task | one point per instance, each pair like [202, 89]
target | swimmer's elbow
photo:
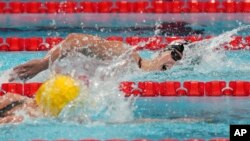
[75, 36]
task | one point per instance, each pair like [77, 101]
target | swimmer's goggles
[176, 51]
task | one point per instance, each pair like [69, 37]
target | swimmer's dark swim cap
[178, 45]
[179, 48]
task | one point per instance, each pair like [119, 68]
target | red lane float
[28, 89]
[127, 88]
[214, 88]
[169, 88]
[138, 42]
[194, 6]
[2, 6]
[52, 7]
[240, 88]
[172, 38]
[168, 140]
[194, 88]
[187, 88]
[159, 6]
[3, 47]
[148, 88]
[123, 7]
[115, 38]
[175, 6]
[227, 91]
[195, 140]
[244, 6]
[141, 140]
[32, 44]
[140, 6]
[237, 43]
[134, 40]
[104, 6]
[154, 43]
[116, 140]
[211, 6]
[193, 38]
[219, 139]
[153, 89]
[149, 43]
[229, 6]
[88, 7]
[64, 140]
[68, 7]
[50, 42]
[33, 7]
[247, 42]
[216, 139]
[15, 43]
[15, 7]
[89, 140]
[28, 44]
[126, 6]
[31, 88]
[16, 88]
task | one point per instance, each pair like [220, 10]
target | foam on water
[208, 55]
[104, 102]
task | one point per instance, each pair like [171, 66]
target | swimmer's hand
[29, 69]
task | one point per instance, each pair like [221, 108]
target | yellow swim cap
[56, 93]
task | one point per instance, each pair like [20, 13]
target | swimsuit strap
[139, 62]
[10, 106]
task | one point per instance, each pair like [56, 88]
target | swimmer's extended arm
[87, 44]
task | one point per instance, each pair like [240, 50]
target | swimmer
[11, 103]
[50, 99]
[102, 49]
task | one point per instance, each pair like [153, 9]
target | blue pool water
[154, 118]
[209, 117]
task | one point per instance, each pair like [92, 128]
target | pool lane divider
[126, 6]
[214, 88]
[149, 43]
[214, 139]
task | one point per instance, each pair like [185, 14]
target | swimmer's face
[167, 59]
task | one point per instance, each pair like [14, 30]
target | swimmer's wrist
[45, 63]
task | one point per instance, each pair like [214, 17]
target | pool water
[154, 118]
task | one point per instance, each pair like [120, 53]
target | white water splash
[104, 102]
[209, 55]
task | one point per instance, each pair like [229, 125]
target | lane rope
[192, 139]
[125, 6]
[237, 88]
[149, 43]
